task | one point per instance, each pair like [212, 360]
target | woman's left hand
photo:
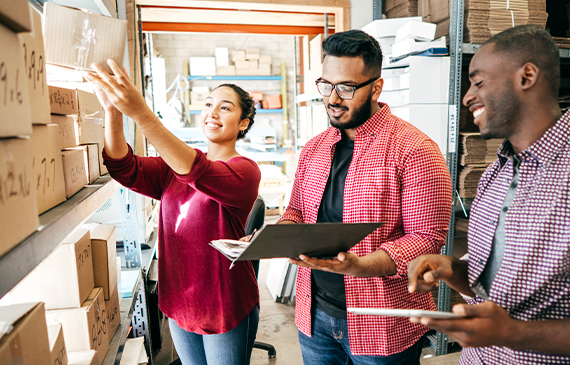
[120, 91]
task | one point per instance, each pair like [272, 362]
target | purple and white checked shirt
[533, 282]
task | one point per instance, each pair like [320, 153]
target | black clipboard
[313, 240]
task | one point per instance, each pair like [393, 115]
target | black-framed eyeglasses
[343, 91]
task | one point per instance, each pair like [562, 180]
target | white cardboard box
[387, 27]
[417, 30]
[222, 55]
[202, 66]
[427, 80]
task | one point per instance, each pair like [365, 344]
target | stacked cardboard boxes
[400, 8]
[18, 206]
[248, 62]
[475, 155]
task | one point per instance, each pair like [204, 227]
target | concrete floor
[277, 327]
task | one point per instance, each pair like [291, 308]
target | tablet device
[404, 313]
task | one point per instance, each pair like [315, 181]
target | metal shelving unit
[55, 225]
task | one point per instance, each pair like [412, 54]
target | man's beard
[360, 116]
[506, 111]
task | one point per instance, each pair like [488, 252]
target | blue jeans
[233, 347]
[329, 346]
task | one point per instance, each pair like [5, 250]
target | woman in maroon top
[213, 311]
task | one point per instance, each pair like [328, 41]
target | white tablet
[404, 313]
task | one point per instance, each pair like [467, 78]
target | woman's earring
[242, 132]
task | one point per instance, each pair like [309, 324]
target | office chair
[256, 220]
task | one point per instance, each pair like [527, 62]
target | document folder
[292, 240]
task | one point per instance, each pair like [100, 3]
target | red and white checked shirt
[397, 176]
[533, 283]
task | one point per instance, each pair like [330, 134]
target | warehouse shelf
[471, 48]
[127, 307]
[237, 78]
[258, 111]
[55, 225]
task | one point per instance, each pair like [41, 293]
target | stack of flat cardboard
[435, 11]
[400, 8]
[469, 177]
[475, 154]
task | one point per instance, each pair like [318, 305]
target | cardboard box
[76, 39]
[63, 280]
[113, 311]
[90, 357]
[273, 101]
[104, 247]
[265, 59]
[88, 130]
[252, 53]
[91, 160]
[74, 171]
[100, 148]
[48, 166]
[198, 97]
[316, 52]
[27, 343]
[254, 64]
[84, 328]
[57, 345]
[242, 65]
[264, 69]
[387, 27]
[202, 66]
[238, 56]
[15, 15]
[417, 30]
[226, 70]
[34, 61]
[74, 102]
[222, 55]
[14, 98]
[67, 134]
[18, 209]
[256, 95]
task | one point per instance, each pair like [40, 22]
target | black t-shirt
[328, 288]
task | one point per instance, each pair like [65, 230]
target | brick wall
[178, 47]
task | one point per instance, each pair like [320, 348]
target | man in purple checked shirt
[518, 270]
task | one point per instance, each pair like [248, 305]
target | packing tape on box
[512, 13]
[84, 40]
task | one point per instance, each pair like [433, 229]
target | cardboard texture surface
[100, 148]
[35, 69]
[14, 14]
[91, 160]
[104, 247]
[74, 171]
[64, 279]
[65, 101]
[90, 357]
[76, 39]
[132, 351]
[113, 311]
[57, 345]
[18, 209]
[14, 97]
[84, 328]
[88, 130]
[67, 133]
[48, 167]
[27, 343]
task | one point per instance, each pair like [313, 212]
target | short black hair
[246, 103]
[530, 43]
[355, 43]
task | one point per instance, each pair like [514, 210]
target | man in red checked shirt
[518, 270]
[369, 166]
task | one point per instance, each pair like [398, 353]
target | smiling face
[491, 97]
[221, 116]
[343, 113]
